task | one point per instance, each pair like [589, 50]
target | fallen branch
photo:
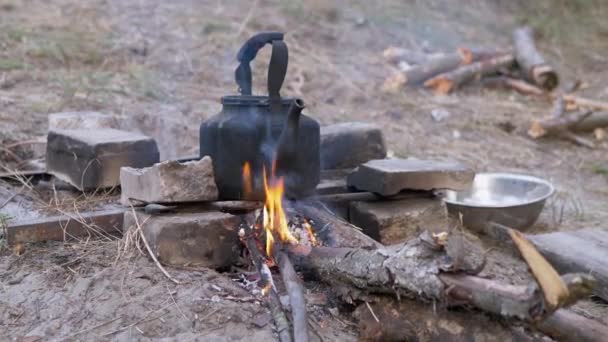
[591, 122]
[271, 297]
[448, 81]
[435, 66]
[296, 296]
[580, 102]
[520, 86]
[532, 64]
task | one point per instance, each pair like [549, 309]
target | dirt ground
[161, 67]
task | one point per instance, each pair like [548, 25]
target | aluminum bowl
[510, 199]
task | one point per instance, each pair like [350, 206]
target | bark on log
[591, 122]
[409, 320]
[565, 325]
[533, 66]
[448, 81]
[331, 228]
[296, 297]
[415, 269]
[435, 66]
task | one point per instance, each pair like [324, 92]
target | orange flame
[247, 183]
[275, 220]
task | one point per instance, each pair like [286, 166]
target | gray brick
[347, 145]
[203, 239]
[169, 182]
[390, 176]
[392, 222]
[92, 158]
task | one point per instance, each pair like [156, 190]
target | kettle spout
[288, 141]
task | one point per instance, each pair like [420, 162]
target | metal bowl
[509, 199]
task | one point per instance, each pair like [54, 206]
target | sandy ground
[161, 67]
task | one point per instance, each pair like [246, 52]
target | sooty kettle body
[268, 133]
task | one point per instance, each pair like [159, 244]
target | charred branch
[533, 66]
[271, 298]
[296, 297]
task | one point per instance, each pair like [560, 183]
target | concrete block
[169, 182]
[202, 239]
[392, 222]
[348, 145]
[390, 176]
[92, 158]
[81, 120]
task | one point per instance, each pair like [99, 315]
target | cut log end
[440, 85]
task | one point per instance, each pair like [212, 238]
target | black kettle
[265, 132]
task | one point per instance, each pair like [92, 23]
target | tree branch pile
[534, 76]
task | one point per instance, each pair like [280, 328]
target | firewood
[271, 297]
[553, 287]
[296, 296]
[446, 82]
[593, 121]
[533, 66]
[585, 103]
[341, 233]
[435, 66]
[520, 86]
[565, 325]
[414, 269]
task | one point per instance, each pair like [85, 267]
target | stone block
[348, 145]
[200, 239]
[169, 182]
[392, 222]
[92, 158]
[81, 120]
[390, 176]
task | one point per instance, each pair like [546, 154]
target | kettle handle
[276, 70]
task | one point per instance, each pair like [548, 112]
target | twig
[174, 302]
[271, 298]
[296, 296]
[369, 307]
[11, 197]
[143, 238]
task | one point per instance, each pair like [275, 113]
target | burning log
[532, 64]
[341, 233]
[448, 81]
